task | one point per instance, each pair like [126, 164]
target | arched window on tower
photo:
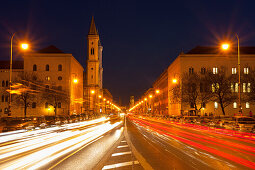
[47, 67]
[3, 83]
[34, 67]
[92, 51]
[59, 67]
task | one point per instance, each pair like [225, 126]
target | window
[215, 105]
[246, 70]
[47, 67]
[248, 87]
[191, 70]
[7, 83]
[213, 87]
[59, 67]
[232, 88]
[46, 105]
[215, 70]
[59, 87]
[6, 98]
[203, 70]
[92, 51]
[234, 105]
[236, 87]
[92, 77]
[47, 78]
[59, 78]
[33, 105]
[34, 67]
[3, 83]
[92, 68]
[247, 105]
[233, 70]
[2, 98]
[59, 105]
[244, 87]
[47, 88]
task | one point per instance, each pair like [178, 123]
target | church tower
[94, 70]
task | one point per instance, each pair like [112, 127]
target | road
[133, 143]
[170, 145]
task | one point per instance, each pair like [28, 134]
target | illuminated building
[94, 72]
[201, 59]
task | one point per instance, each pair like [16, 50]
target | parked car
[190, 119]
[243, 123]
[50, 120]
[18, 124]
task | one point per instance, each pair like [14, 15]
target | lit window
[215, 105]
[248, 87]
[234, 105]
[234, 70]
[213, 88]
[215, 70]
[232, 88]
[236, 87]
[247, 105]
[246, 70]
[47, 78]
[244, 87]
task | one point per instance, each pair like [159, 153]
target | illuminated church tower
[94, 70]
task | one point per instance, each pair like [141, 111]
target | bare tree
[221, 87]
[193, 90]
[24, 89]
[55, 97]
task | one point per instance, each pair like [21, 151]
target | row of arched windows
[5, 83]
[47, 67]
[92, 51]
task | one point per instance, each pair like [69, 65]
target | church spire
[92, 29]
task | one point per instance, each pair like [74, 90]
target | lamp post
[24, 47]
[225, 46]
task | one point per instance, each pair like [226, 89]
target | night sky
[140, 38]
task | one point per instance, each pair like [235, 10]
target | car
[245, 124]
[50, 120]
[190, 119]
[19, 124]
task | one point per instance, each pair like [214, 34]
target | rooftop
[50, 49]
[217, 50]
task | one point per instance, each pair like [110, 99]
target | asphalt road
[137, 143]
[168, 145]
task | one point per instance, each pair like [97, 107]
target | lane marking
[121, 153]
[122, 146]
[123, 141]
[120, 165]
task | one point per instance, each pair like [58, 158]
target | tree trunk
[222, 107]
[25, 110]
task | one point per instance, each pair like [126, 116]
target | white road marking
[120, 165]
[121, 153]
[122, 146]
[124, 141]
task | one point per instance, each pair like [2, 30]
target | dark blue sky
[140, 38]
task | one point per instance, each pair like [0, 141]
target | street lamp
[226, 46]
[174, 80]
[24, 46]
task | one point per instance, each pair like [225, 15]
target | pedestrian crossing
[122, 158]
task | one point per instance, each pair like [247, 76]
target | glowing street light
[145, 99]
[100, 96]
[225, 46]
[24, 46]
[150, 96]
[157, 91]
[75, 81]
[92, 91]
[174, 80]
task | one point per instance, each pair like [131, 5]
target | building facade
[54, 80]
[201, 60]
